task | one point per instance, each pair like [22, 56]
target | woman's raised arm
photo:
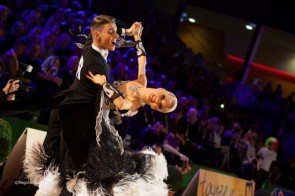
[141, 56]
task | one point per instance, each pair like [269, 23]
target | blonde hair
[46, 65]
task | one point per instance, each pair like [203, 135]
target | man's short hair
[100, 20]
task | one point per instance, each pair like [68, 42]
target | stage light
[183, 14]
[192, 20]
[250, 26]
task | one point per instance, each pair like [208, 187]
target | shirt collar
[104, 53]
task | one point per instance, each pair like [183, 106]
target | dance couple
[83, 153]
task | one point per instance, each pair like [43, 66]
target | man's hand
[131, 30]
[57, 80]
[11, 86]
[184, 158]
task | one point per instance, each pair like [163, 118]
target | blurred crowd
[211, 126]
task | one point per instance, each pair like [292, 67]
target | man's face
[34, 50]
[4, 11]
[107, 36]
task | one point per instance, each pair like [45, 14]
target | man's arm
[172, 150]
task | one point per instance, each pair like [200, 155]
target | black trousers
[71, 131]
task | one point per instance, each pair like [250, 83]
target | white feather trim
[49, 185]
[78, 187]
[150, 183]
[99, 192]
[33, 166]
[137, 186]
[159, 165]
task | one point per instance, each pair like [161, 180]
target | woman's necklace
[135, 89]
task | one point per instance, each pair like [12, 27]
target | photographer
[7, 93]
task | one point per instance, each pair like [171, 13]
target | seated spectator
[4, 11]
[228, 134]
[10, 58]
[18, 30]
[30, 58]
[215, 130]
[68, 72]
[33, 18]
[250, 170]
[192, 126]
[55, 19]
[250, 142]
[171, 145]
[48, 78]
[237, 152]
[155, 134]
[49, 82]
[48, 43]
[192, 146]
[62, 49]
[278, 92]
[35, 35]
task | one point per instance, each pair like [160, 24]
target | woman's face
[34, 50]
[54, 62]
[159, 99]
[53, 66]
[21, 28]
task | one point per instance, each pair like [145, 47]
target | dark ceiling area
[275, 14]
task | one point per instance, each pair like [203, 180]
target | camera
[24, 72]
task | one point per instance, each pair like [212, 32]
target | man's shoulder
[91, 56]
[88, 51]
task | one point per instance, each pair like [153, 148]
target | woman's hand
[130, 31]
[137, 31]
[97, 79]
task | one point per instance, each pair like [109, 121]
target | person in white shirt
[269, 155]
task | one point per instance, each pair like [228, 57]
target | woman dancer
[135, 92]
[109, 169]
